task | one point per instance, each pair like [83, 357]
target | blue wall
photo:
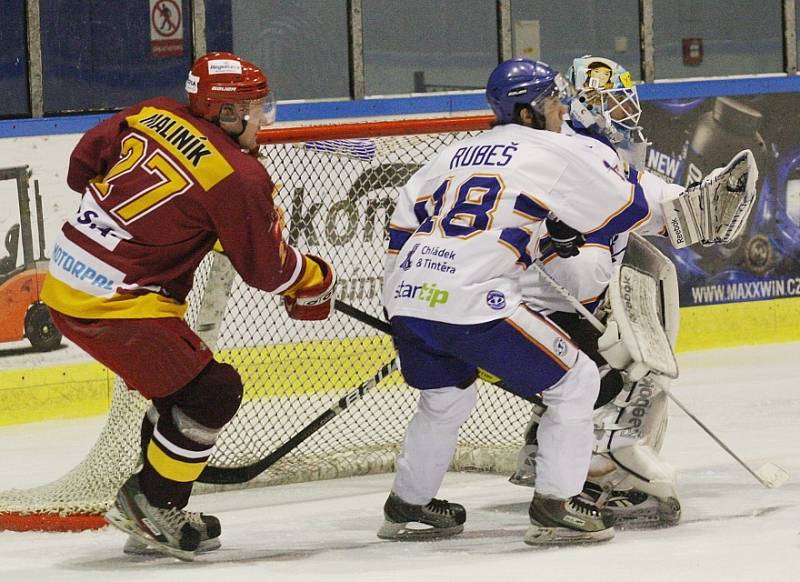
[429, 104]
[13, 60]
[87, 64]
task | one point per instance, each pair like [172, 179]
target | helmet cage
[621, 106]
[609, 95]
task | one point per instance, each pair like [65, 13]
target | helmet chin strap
[235, 135]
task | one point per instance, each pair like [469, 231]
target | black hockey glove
[566, 240]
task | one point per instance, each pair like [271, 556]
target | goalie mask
[233, 93]
[607, 101]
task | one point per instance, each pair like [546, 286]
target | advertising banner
[691, 137]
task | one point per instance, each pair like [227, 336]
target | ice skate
[567, 521]
[208, 526]
[525, 473]
[437, 519]
[634, 509]
[167, 531]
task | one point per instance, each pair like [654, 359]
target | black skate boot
[208, 526]
[407, 522]
[168, 531]
[567, 521]
[634, 509]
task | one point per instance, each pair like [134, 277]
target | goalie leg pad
[638, 485]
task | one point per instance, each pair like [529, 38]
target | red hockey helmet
[220, 78]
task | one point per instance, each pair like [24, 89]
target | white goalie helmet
[607, 101]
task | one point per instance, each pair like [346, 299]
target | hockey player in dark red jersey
[161, 184]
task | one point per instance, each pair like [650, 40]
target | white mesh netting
[337, 199]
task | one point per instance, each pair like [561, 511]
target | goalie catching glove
[715, 210]
[314, 300]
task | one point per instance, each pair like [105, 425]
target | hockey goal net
[337, 185]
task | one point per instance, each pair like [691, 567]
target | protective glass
[259, 113]
[561, 89]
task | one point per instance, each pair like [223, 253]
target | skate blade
[135, 547]
[771, 475]
[538, 535]
[115, 518]
[522, 479]
[414, 531]
[667, 513]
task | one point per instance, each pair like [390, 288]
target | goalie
[627, 476]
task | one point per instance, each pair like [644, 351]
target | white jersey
[587, 275]
[470, 221]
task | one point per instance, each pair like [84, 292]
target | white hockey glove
[715, 210]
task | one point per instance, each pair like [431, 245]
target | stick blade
[772, 476]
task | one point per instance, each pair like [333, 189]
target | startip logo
[427, 292]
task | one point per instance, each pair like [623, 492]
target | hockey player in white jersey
[627, 475]
[468, 224]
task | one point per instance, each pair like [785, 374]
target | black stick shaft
[229, 475]
[363, 317]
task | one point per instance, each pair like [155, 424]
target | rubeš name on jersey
[471, 221]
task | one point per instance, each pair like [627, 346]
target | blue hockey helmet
[522, 81]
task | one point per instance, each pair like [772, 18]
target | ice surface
[733, 529]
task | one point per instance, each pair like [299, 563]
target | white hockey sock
[430, 442]
[565, 433]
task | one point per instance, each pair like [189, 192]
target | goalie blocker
[714, 210]
[643, 323]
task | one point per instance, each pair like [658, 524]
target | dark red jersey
[160, 187]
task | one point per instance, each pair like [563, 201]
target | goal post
[337, 185]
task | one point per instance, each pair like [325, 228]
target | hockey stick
[769, 475]
[229, 475]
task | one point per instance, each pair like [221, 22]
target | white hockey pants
[565, 432]
[430, 441]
